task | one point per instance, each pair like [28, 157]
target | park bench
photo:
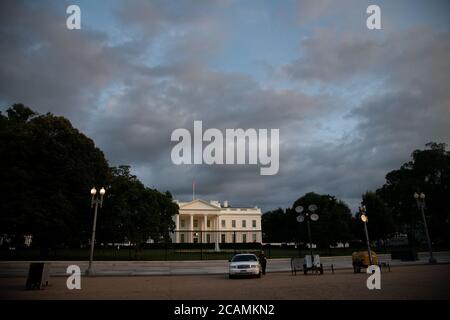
[296, 265]
[384, 265]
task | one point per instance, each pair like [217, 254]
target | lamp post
[95, 201]
[420, 200]
[311, 215]
[365, 220]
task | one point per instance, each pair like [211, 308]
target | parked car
[244, 264]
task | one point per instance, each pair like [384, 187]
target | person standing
[262, 261]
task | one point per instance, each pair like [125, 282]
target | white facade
[211, 222]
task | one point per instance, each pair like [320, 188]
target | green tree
[275, 227]
[47, 170]
[428, 171]
[381, 223]
[135, 213]
[334, 221]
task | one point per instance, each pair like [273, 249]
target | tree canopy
[332, 227]
[275, 227]
[134, 212]
[381, 222]
[47, 170]
[429, 172]
[392, 208]
[48, 167]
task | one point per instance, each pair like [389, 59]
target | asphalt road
[403, 282]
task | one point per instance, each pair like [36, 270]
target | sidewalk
[203, 267]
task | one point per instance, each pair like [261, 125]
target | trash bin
[38, 275]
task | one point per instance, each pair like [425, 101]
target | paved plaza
[208, 280]
[204, 267]
[403, 282]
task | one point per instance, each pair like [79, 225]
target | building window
[244, 223]
[223, 224]
[208, 238]
[244, 238]
[233, 223]
[254, 237]
[182, 238]
[182, 223]
[254, 223]
[195, 223]
[234, 237]
[223, 238]
[208, 223]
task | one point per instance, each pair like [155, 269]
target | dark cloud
[384, 94]
[51, 68]
[406, 109]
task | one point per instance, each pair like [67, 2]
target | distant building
[210, 222]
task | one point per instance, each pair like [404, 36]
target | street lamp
[311, 215]
[420, 200]
[365, 220]
[95, 201]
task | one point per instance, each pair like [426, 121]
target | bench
[384, 265]
[296, 265]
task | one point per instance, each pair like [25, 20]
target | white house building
[210, 222]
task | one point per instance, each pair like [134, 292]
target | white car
[244, 264]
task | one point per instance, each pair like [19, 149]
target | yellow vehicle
[360, 259]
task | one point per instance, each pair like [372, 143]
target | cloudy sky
[351, 103]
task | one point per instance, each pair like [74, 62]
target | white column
[219, 226]
[205, 227]
[177, 228]
[259, 227]
[217, 233]
[191, 225]
[214, 228]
